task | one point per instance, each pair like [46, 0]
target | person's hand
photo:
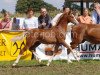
[97, 8]
[0, 30]
[44, 24]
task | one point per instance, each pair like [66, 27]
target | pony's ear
[70, 12]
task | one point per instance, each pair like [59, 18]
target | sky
[9, 5]
[56, 3]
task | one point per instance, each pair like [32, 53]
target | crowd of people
[44, 21]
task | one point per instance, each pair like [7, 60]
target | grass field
[87, 67]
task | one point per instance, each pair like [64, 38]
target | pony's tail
[20, 37]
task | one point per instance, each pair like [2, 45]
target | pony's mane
[59, 19]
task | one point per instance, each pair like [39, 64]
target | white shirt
[55, 19]
[30, 23]
[94, 17]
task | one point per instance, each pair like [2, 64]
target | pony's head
[69, 17]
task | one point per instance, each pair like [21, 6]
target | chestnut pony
[55, 35]
[85, 32]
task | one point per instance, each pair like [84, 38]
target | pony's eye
[71, 16]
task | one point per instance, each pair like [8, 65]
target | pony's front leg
[68, 59]
[76, 52]
[68, 56]
[67, 46]
[19, 56]
[17, 60]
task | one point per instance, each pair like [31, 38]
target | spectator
[15, 24]
[44, 19]
[31, 21]
[96, 13]
[44, 23]
[76, 13]
[6, 22]
[85, 18]
[55, 19]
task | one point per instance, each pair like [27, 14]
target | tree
[67, 3]
[70, 4]
[3, 11]
[23, 5]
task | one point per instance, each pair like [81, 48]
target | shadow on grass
[18, 66]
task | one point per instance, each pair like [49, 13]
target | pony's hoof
[69, 61]
[14, 65]
[78, 59]
[48, 64]
[39, 60]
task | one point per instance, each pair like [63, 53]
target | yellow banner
[10, 50]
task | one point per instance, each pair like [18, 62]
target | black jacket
[46, 19]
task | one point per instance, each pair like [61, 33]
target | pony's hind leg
[54, 54]
[33, 49]
[37, 57]
[19, 56]
[50, 60]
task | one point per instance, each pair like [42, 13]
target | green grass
[87, 67]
